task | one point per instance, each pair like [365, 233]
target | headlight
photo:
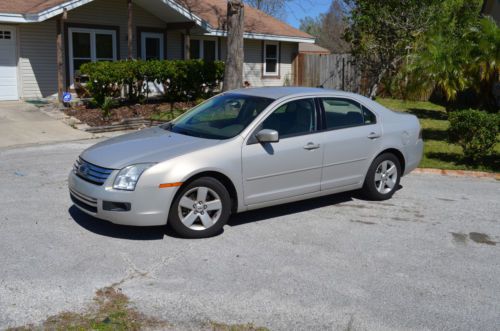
[127, 177]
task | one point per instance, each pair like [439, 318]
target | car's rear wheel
[383, 176]
[200, 209]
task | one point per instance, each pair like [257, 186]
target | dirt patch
[94, 116]
[111, 311]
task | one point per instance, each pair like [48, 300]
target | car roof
[277, 93]
[281, 92]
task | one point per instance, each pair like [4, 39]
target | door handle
[310, 146]
[373, 135]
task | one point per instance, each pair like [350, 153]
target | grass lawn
[438, 153]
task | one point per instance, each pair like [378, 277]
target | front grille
[90, 172]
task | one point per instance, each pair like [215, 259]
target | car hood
[148, 145]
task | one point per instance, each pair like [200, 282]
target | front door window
[90, 45]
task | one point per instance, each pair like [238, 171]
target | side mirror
[268, 136]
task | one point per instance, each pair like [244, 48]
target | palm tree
[440, 63]
[486, 55]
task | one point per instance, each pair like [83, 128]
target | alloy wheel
[386, 176]
[200, 208]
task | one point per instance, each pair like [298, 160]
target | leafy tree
[441, 64]
[486, 58]
[274, 8]
[329, 27]
[312, 25]
[461, 51]
[383, 32]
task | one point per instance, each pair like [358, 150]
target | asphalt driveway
[427, 259]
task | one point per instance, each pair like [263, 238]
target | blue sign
[66, 97]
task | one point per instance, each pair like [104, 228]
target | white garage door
[8, 63]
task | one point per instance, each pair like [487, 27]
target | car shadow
[108, 229]
[291, 208]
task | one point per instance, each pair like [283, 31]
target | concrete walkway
[23, 124]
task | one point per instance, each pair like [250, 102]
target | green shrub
[104, 80]
[475, 131]
[107, 105]
[182, 80]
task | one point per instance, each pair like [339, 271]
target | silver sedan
[243, 150]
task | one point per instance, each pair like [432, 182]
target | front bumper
[149, 206]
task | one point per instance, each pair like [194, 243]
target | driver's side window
[294, 118]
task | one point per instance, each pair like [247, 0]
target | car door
[287, 168]
[351, 138]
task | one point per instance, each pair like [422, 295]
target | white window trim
[93, 56]
[202, 45]
[156, 35]
[271, 73]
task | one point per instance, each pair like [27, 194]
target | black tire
[181, 229]
[370, 190]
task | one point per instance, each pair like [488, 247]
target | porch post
[60, 60]
[187, 44]
[130, 32]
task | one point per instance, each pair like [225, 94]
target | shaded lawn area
[438, 152]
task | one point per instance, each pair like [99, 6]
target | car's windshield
[222, 117]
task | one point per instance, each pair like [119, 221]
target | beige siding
[252, 70]
[37, 59]
[175, 44]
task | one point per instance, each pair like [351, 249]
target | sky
[297, 9]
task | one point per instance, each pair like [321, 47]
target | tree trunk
[59, 53]
[233, 72]
[129, 29]
[374, 87]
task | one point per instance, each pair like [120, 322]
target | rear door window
[344, 113]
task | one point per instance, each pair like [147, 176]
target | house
[44, 42]
[492, 8]
[308, 48]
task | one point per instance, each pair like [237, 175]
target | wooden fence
[335, 71]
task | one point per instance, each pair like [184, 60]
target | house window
[90, 45]
[203, 49]
[152, 45]
[271, 59]
[5, 35]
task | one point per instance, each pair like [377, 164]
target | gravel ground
[426, 259]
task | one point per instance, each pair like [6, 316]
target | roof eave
[263, 36]
[43, 15]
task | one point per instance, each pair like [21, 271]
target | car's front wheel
[200, 209]
[383, 176]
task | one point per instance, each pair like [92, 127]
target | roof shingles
[211, 11]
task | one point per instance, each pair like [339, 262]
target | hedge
[181, 79]
[475, 131]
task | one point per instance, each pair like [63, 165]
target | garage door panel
[8, 63]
